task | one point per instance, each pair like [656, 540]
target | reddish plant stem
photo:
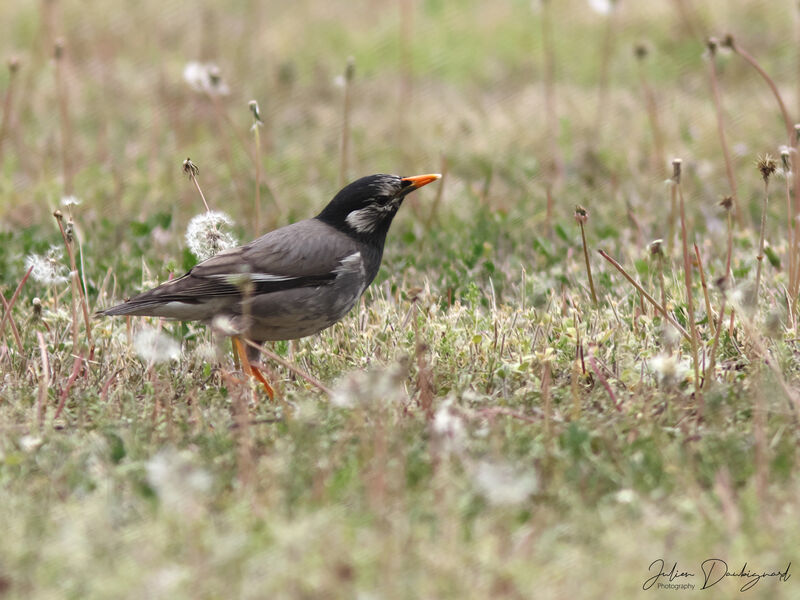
[14, 330]
[76, 369]
[593, 365]
[13, 301]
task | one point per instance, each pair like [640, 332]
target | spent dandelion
[205, 78]
[48, 268]
[208, 234]
[153, 346]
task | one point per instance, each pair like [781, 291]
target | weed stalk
[712, 46]
[13, 67]
[687, 276]
[581, 216]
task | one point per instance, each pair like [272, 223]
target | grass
[492, 431]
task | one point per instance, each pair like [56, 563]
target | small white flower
[502, 484]
[48, 268]
[603, 7]
[205, 77]
[205, 235]
[152, 346]
[70, 201]
[339, 81]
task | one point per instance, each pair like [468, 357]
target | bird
[292, 282]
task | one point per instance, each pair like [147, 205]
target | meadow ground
[500, 423]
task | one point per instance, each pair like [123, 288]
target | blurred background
[500, 92]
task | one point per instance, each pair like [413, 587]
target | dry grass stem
[712, 69]
[687, 277]
[647, 296]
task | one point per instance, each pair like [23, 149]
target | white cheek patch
[367, 219]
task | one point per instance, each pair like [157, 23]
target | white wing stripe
[251, 276]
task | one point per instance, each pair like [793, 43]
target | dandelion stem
[81, 297]
[548, 81]
[588, 265]
[437, 201]
[709, 372]
[687, 277]
[349, 72]
[761, 241]
[652, 110]
[605, 66]
[191, 169]
[13, 67]
[730, 42]
[44, 379]
[548, 404]
[712, 65]
[709, 313]
[581, 216]
[257, 157]
[63, 110]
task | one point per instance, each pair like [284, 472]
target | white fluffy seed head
[205, 77]
[48, 268]
[207, 234]
[152, 346]
[503, 484]
[602, 7]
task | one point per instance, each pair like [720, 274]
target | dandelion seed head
[70, 201]
[502, 484]
[48, 268]
[370, 388]
[448, 427]
[766, 166]
[225, 325]
[30, 443]
[669, 370]
[625, 496]
[178, 482]
[603, 7]
[207, 234]
[152, 346]
[206, 78]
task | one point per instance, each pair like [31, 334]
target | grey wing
[304, 254]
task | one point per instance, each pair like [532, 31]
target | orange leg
[248, 368]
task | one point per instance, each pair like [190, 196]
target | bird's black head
[366, 207]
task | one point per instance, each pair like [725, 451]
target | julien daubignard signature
[712, 571]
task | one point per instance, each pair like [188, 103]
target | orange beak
[419, 180]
